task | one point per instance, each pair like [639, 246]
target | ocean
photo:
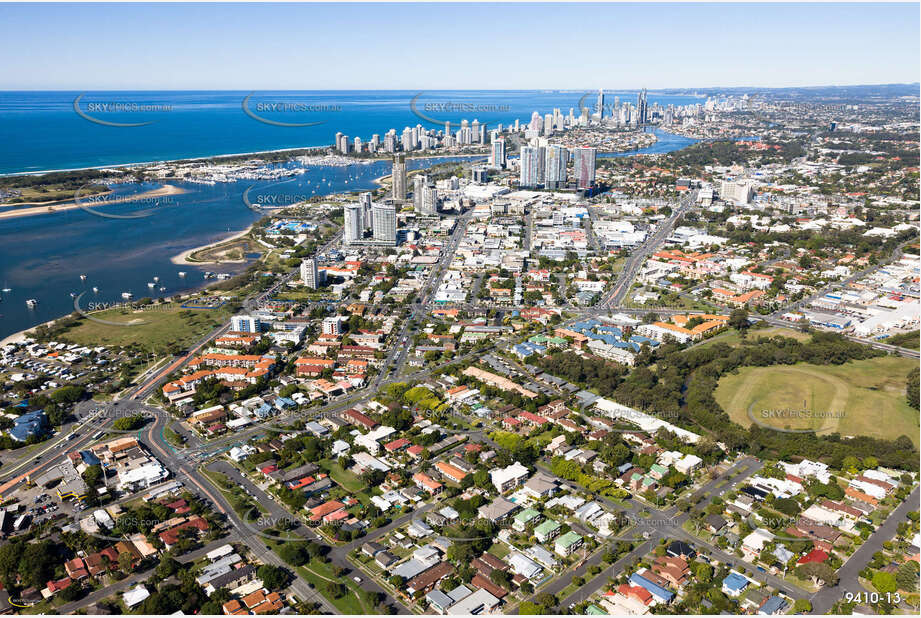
[41, 131]
[43, 256]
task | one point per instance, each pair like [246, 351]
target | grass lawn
[154, 329]
[305, 295]
[233, 251]
[500, 550]
[732, 337]
[865, 397]
[317, 573]
[345, 478]
[242, 504]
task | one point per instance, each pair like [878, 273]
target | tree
[294, 554]
[911, 389]
[818, 572]
[92, 475]
[527, 608]
[500, 578]
[273, 577]
[885, 582]
[125, 562]
[850, 463]
[168, 566]
[738, 319]
[907, 576]
[801, 606]
[547, 600]
[704, 572]
[68, 394]
[72, 592]
[129, 423]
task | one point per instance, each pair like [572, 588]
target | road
[659, 524]
[240, 531]
[635, 261]
[825, 598]
[133, 579]
[276, 513]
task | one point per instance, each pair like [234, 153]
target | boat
[151, 284]
[182, 273]
[7, 290]
[73, 295]
[82, 277]
[156, 278]
[162, 289]
[31, 302]
[95, 289]
[127, 295]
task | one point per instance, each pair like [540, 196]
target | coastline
[164, 191]
[254, 153]
[182, 258]
[158, 162]
[20, 337]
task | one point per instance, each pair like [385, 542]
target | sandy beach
[89, 202]
[21, 335]
[182, 258]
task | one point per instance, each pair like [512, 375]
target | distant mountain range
[828, 93]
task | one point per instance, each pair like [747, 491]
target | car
[357, 579]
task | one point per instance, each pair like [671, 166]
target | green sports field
[864, 397]
[154, 328]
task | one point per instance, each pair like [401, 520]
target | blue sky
[454, 46]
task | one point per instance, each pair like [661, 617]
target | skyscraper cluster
[546, 166]
[642, 108]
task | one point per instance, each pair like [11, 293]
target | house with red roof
[533, 419]
[327, 508]
[396, 445]
[171, 537]
[415, 451]
[426, 483]
[816, 555]
[635, 592]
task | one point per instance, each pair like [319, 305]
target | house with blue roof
[734, 584]
[264, 410]
[774, 605]
[283, 403]
[30, 424]
[640, 340]
[662, 595]
[89, 458]
[526, 349]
